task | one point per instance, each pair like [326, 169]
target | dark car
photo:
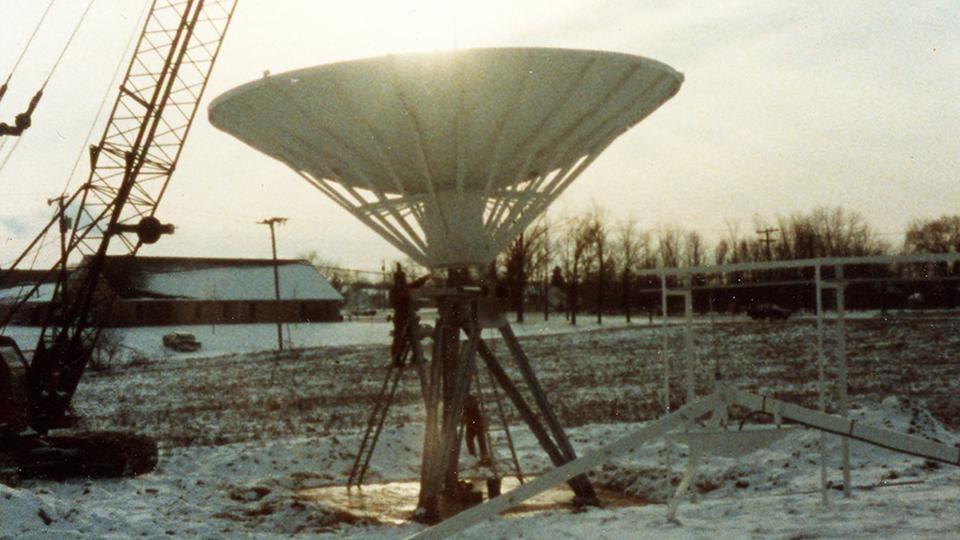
[181, 342]
[769, 312]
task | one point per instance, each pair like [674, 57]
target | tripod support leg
[506, 427]
[579, 484]
[451, 370]
[523, 363]
[428, 504]
[450, 447]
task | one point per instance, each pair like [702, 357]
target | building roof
[12, 295]
[15, 284]
[215, 279]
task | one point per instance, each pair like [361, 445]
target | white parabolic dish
[447, 155]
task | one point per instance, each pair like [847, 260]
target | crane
[130, 169]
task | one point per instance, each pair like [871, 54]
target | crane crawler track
[100, 454]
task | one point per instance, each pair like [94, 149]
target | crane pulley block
[148, 230]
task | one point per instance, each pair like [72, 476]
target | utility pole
[64, 225]
[276, 274]
[767, 240]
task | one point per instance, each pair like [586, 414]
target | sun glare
[424, 25]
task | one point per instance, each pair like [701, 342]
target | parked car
[181, 342]
[770, 312]
[362, 312]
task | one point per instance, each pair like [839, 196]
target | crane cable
[26, 47]
[3, 87]
[63, 51]
[36, 97]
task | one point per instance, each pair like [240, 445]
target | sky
[785, 106]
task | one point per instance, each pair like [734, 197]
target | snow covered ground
[248, 438]
[231, 339]
[263, 490]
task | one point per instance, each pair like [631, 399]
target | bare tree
[628, 243]
[940, 235]
[799, 238]
[328, 268]
[732, 240]
[545, 264]
[520, 261]
[786, 247]
[596, 230]
[693, 250]
[669, 245]
[721, 252]
[845, 233]
[694, 254]
[575, 245]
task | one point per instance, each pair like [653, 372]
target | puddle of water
[395, 502]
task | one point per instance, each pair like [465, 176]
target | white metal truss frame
[838, 284]
[717, 402]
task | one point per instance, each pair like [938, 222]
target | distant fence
[926, 281]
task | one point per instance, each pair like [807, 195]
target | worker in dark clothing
[403, 313]
[400, 302]
[476, 429]
[22, 120]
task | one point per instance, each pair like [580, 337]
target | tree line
[591, 263]
[595, 261]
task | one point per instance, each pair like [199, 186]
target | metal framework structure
[837, 284]
[151, 117]
[130, 170]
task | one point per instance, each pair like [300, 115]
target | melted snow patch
[274, 507]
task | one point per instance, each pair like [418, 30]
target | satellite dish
[447, 155]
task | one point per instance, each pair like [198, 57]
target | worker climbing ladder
[381, 407]
[406, 351]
